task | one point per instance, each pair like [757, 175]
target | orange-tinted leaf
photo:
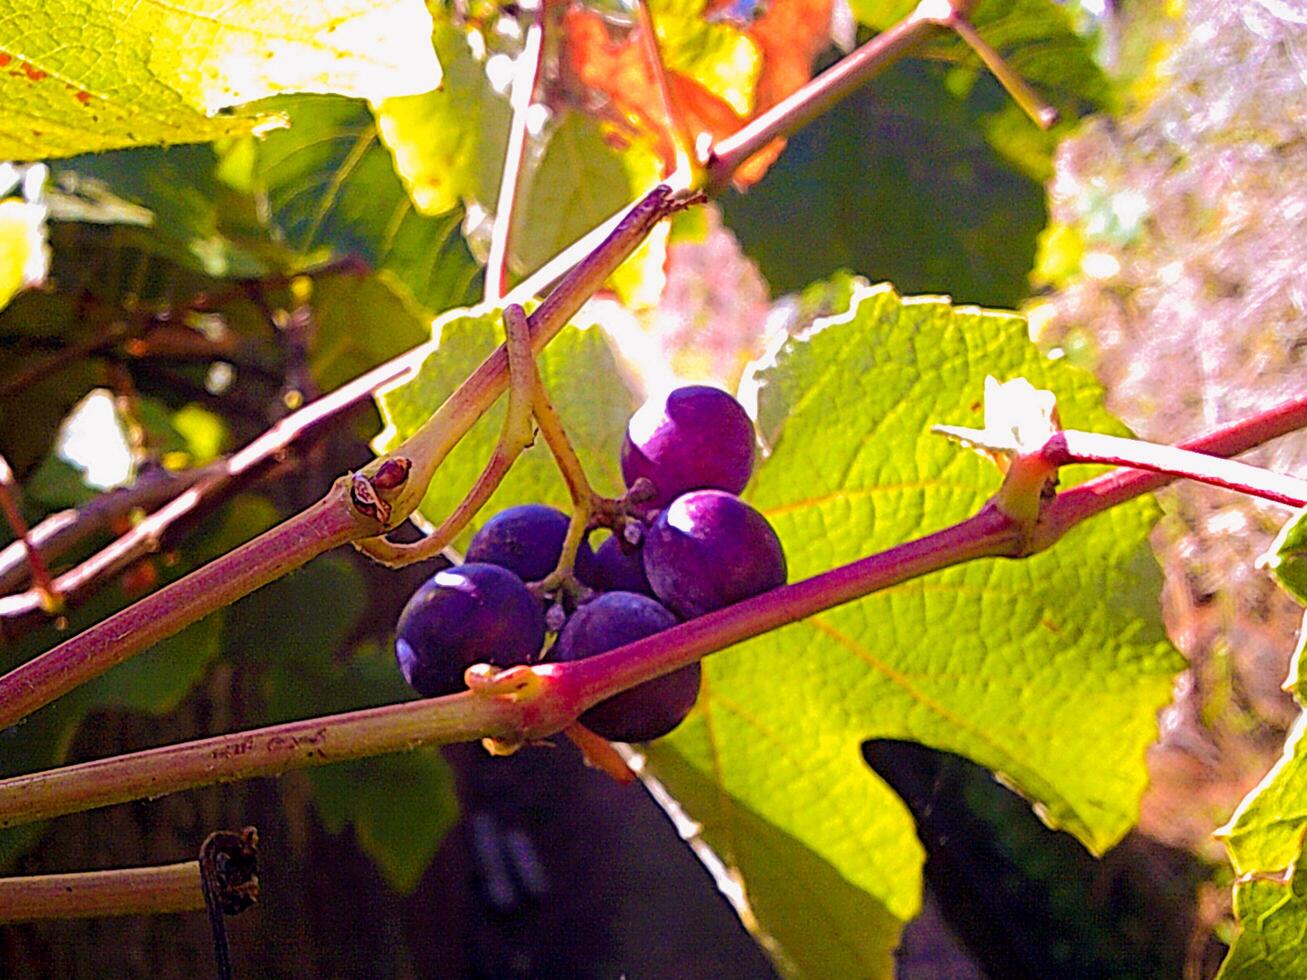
[789, 35]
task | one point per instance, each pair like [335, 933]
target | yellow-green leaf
[102, 74]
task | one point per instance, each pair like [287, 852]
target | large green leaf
[1048, 670]
[1265, 836]
[1039, 41]
[333, 191]
[1272, 910]
[900, 184]
[103, 74]
[449, 143]
[580, 373]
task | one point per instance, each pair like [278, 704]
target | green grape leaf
[1286, 558]
[901, 185]
[1272, 910]
[400, 806]
[580, 373]
[358, 323]
[449, 143]
[717, 55]
[333, 191]
[77, 78]
[579, 182]
[191, 216]
[1049, 670]
[23, 253]
[1266, 831]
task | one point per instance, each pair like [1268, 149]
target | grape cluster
[684, 545]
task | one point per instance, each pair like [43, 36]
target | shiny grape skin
[527, 540]
[695, 437]
[615, 570]
[470, 614]
[710, 549]
[649, 710]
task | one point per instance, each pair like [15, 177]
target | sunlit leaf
[94, 76]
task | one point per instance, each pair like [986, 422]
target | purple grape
[693, 438]
[649, 710]
[616, 570]
[710, 549]
[527, 540]
[463, 616]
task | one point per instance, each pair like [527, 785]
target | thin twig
[11, 504]
[515, 437]
[88, 894]
[66, 529]
[510, 182]
[1032, 104]
[834, 84]
[1071, 446]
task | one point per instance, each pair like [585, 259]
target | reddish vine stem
[1071, 446]
[351, 510]
[563, 691]
[9, 503]
[66, 529]
[831, 86]
[1105, 492]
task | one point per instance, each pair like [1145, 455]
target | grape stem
[515, 436]
[1071, 446]
[529, 703]
[361, 505]
[520, 98]
[10, 498]
[87, 894]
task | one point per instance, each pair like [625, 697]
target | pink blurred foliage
[1194, 210]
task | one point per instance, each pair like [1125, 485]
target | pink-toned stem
[834, 84]
[66, 529]
[1071, 446]
[9, 504]
[323, 526]
[88, 894]
[567, 690]
[1105, 492]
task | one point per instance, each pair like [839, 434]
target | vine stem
[551, 696]
[66, 529]
[510, 183]
[831, 86]
[1071, 446]
[332, 521]
[560, 694]
[324, 525]
[1103, 493]
[10, 504]
[86, 894]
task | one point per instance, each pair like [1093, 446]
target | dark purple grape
[615, 570]
[463, 616]
[649, 710]
[527, 540]
[694, 437]
[710, 549]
